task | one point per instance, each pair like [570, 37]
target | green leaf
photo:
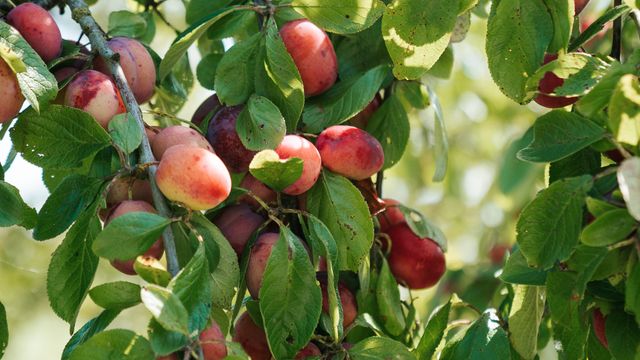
[623, 336]
[380, 348]
[515, 173]
[196, 9]
[166, 308]
[609, 228]
[125, 132]
[598, 207]
[624, 110]
[629, 180]
[422, 227]
[562, 13]
[173, 91]
[441, 153]
[290, 299]
[151, 270]
[72, 268]
[60, 137]
[277, 174]
[14, 211]
[340, 16]
[518, 34]
[260, 124]
[585, 162]
[339, 204]
[116, 295]
[88, 330]
[206, 70]
[360, 52]
[114, 344]
[525, 317]
[598, 25]
[549, 226]
[129, 235]
[484, 339]
[433, 332]
[632, 293]
[4, 330]
[164, 342]
[125, 23]
[343, 100]
[417, 33]
[278, 79]
[517, 271]
[239, 25]
[73, 196]
[413, 93]
[390, 125]
[235, 75]
[558, 134]
[37, 84]
[192, 284]
[569, 327]
[182, 43]
[388, 298]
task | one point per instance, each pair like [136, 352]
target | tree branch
[616, 46]
[82, 15]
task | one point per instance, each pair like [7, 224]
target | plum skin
[210, 104]
[548, 84]
[258, 259]
[119, 191]
[599, 321]
[348, 301]
[212, 342]
[194, 177]
[177, 135]
[238, 223]
[313, 54]
[95, 93]
[580, 5]
[299, 147]
[391, 215]
[361, 119]
[416, 263]
[349, 151]
[10, 93]
[258, 189]
[224, 139]
[38, 28]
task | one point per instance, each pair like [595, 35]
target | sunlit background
[476, 205]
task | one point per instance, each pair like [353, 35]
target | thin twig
[616, 46]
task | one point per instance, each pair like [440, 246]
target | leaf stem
[616, 47]
[82, 15]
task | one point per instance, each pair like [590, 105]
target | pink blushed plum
[258, 258]
[237, 223]
[95, 93]
[177, 135]
[10, 93]
[294, 146]
[38, 28]
[349, 151]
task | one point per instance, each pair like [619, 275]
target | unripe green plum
[313, 54]
[194, 177]
[38, 28]
[212, 342]
[391, 215]
[361, 119]
[95, 93]
[349, 151]
[237, 223]
[156, 250]
[347, 299]
[137, 66]
[548, 84]
[206, 109]
[258, 258]
[10, 93]
[252, 338]
[177, 135]
[294, 146]
[224, 139]
[416, 263]
[258, 189]
[599, 328]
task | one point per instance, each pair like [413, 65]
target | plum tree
[237, 223]
[258, 258]
[391, 215]
[207, 109]
[299, 147]
[580, 5]
[257, 188]
[599, 328]
[212, 342]
[36, 25]
[252, 338]
[194, 177]
[12, 98]
[548, 84]
[349, 151]
[177, 135]
[313, 54]
[137, 66]
[222, 135]
[415, 262]
[347, 299]
[95, 93]
[361, 119]
[156, 250]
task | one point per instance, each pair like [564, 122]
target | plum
[349, 151]
[361, 119]
[62, 74]
[391, 215]
[237, 223]
[194, 177]
[208, 108]
[599, 328]
[258, 258]
[548, 84]
[252, 338]
[95, 93]
[497, 253]
[313, 54]
[10, 92]
[347, 299]
[38, 28]
[580, 5]
[258, 189]
[299, 147]
[119, 190]
[212, 342]
[222, 135]
[309, 351]
[177, 135]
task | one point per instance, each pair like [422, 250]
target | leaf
[192, 284]
[624, 110]
[114, 344]
[290, 299]
[558, 134]
[60, 137]
[433, 332]
[278, 78]
[72, 268]
[609, 228]
[151, 270]
[164, 342]
[422, 227]
[598, 25]
[484, 339]
[73, 196]
[117, 295]
[599, 207]
[37, 84]
[360, 52]
[89, 329]
[4, 330]
[340, 16]
[390, 125]
[629, 180]
[277, 174]
[380, 348]
[196, 9]
[14, 211]
[129, 235]
[569, 326]
[166, 308]
[260, 124]
[517, 271]
[125, 132]
[343, 100]
[441, 152]
[525, 317]
[515, 173]
[623, 336]
[562, 13]
[388, 298]
[585, 162]
[413, 93]
[235, 74]
[417, 33]
[632, 292]
[518, 34]
[126, 23]
[549, 226]
[206, 70]
[339, 205]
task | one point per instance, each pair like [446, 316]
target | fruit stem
[617, 34]
[82, 15]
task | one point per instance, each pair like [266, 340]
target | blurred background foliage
[476, 205]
